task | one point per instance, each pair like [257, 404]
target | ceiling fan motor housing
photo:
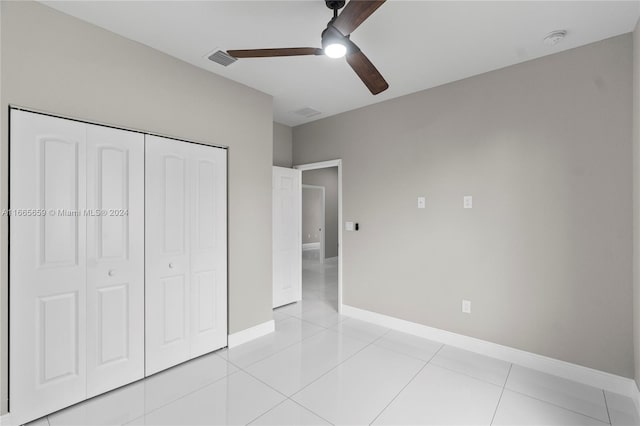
[335, 4]
[331, 35]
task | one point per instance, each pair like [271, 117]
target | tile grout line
[606, 404]
[556, 405]
[405, 386]
[361, 339]
[280, 349]
[281, 393]
[185, 395]
[487, 382]
[339, 364]
[504, 386]
[313, 309]
[266, 412]
[243, 369]
[318, 325]
[506, 379]
[411, 355]
[324, 328]
[324, 374]
[310, 410]
[239, 369]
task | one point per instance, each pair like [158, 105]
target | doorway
[321, 233]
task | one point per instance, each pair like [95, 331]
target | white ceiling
[415, 44]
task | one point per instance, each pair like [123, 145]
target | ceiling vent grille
[222, 58]
[307, 112]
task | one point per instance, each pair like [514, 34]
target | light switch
[348, 226]
[466, 306]
[467, 202]
[422, 202]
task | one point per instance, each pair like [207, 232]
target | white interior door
[208, 248]
[287, 238]
[47, 265]
[115, 256]
[186, 260]
[167, 254]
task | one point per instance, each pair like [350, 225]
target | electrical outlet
[466, 306]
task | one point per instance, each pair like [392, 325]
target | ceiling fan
[336, 42]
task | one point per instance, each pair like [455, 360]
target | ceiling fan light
[335, 50]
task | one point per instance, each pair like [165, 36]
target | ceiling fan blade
[368, 73]
[354, 14]
[268, 53]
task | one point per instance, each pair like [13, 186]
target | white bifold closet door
[186, 251]
[76, 284]
[287, 236]
[115, 258]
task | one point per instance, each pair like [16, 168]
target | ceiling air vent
[307, 112]
[222, 58]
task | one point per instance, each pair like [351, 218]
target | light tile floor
[322, 368]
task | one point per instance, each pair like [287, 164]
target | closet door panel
[47, 264]
[208, 249]
[115, 254]
[167, 281]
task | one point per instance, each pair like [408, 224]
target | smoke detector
[555, 37]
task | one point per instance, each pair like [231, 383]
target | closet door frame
[17, 412]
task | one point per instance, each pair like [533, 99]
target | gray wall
[56, 63]
[636, 200]
[545, 148]
[329, 179]
[282, 145]
[311, 214]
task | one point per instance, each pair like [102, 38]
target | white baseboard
[567, 370]
[310, 246]
[636, 398]
[6, 420]
[251, 333]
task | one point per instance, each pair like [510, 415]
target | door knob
[171, 265]
[112, 272]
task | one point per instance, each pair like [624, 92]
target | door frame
[325, 165]
[323, 220]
